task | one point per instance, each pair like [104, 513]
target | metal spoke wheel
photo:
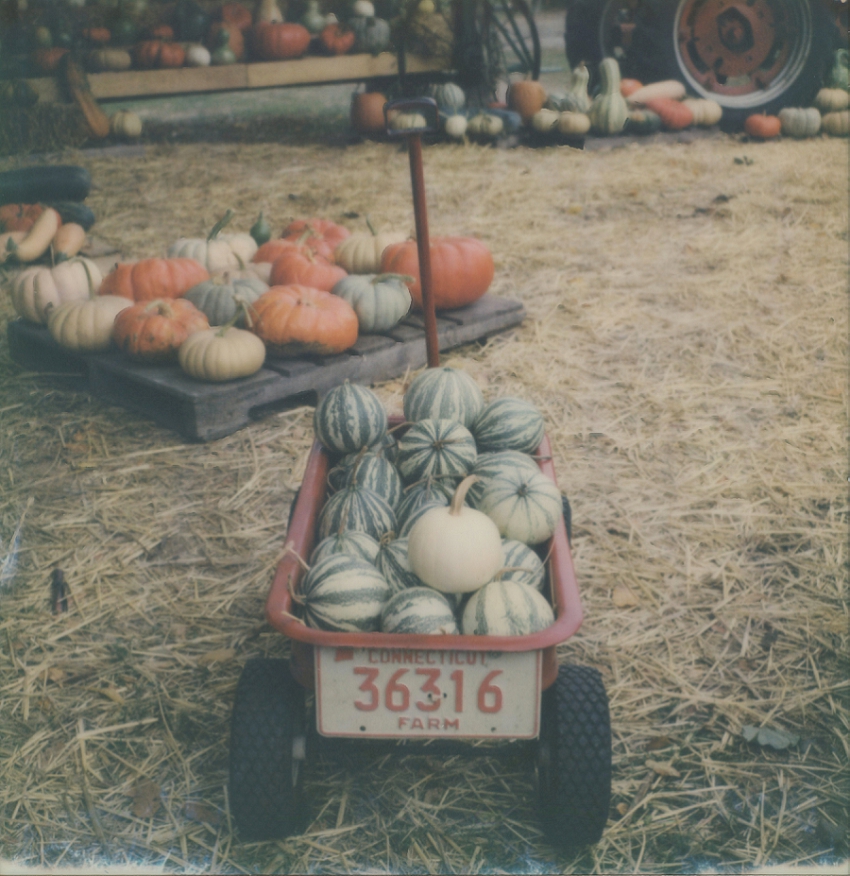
[748, 55]
[267, 752]
[574, 758]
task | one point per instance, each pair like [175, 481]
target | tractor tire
[267, 746]
[574, 759]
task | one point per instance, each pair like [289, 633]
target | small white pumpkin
[363, 8]
[408, 121]
[361, 253]
[220, 354]
[198, 55]
[217, 252]
[455, 549]
[125, 125]
[35, 290]
[706, 113]
[85, 326]
[455, 126]
[485, 125]
[545, 120]
[572, 124]
[836, 124]
[830, 100]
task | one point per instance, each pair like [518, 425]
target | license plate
[409, 694]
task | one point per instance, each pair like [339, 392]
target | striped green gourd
[428, 490]
[419, 610]
[522, 564]
[525, 506]
[349, 418]
[443, 394]
[508, 424]
[343, 593]
[368, 470]
[351, 542]
[506, 608]
[436, 448]
[392, 563]
[359, 509]
[414, 515]
[494, 464]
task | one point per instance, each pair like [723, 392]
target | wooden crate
[202, 412]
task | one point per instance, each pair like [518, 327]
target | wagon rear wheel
[267, 744]
[574, 758]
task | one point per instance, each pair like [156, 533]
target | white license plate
[408, 693]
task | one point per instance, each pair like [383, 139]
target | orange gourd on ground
[674, 115]
[149, 279]
[295, 319]
[152, 331]
[762, 127]
[461, 269]
[526, 97]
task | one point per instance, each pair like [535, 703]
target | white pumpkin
[217, 252]
[361, 253]
[455, 126]
[198, 55]
[545, 120]
[220, 354]
[86, 326]
[455, 549]
[35, 290]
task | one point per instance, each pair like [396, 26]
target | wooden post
[423, 245]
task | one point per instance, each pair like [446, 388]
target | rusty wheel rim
[742, 53]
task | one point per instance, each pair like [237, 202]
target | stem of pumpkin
[371, 227]
[220, 224]
[460, 494]
[382, 278]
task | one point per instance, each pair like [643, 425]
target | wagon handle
[428, 106]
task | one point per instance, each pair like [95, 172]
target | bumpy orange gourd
[297, 319]
[152, 331]
[294, 265]
[154, 278]
[322, 236]
[279, 41]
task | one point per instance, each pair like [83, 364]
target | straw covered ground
[686, 339]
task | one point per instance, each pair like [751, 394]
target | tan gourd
[670, 88]
[268, 11]
[85, 326]
[705, 112]
[830, 100]
[68, 241]
[545, 120]
[573, 124]
[361, 253]
[836, 124]
[37, 289]
[38, 238]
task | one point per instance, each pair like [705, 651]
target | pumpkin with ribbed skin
[443, 394]
[351, 542]
[836, 124]
[430, 490]
[371, 471]
[461, 269]
[508, 424]
[419, 611]
[832, 100]
[348, 418]
[343, 593]
[763, 127]
[151, 279]
[361, 253]
[371, 34]
[37, 289]
[222, 353]
[522, 564]
[280, 40]
[706, 113]
[357, 508]
[525, 506]
[506, 608]
[152, 331]
[391, 561]
[492, 464]
[608, 111]
[220, 296]
[437, 448]
[322, 236]
[304, 268]
[293, 320]
[448, 96]
[217, 252]
[85, 326]
[800, 122]
[455, 549]
[380, 301]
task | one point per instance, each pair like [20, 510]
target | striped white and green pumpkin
[436, 448]
[429, 490]
[493, 464]
[352, 542]
[349, 418]
[385, 446]
[356, 508]
[392, 563]
[343, 593]
[506, 608]
[522, 564]
[509, 424]
[525, 506]
[371, 471]
[443, 394]
[414, 515]
[419, 610]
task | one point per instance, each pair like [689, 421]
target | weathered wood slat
[203, 412]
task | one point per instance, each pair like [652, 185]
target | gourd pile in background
[437, 532]
[218, 305]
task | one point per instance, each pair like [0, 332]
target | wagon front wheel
[574, 758]
[267, 752]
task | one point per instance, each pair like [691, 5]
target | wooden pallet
[202, 412]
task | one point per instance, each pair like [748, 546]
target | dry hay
[686, 340]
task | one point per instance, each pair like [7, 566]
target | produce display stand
[437, 692]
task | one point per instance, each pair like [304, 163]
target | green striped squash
[392, 563]
[506, 608]
[368, 470]
[443, 394]
[525, 506]
[349, 418]
[343, 593]
[419, 610]
[413, 516]
[359, 509]
[426, 491]
[352, 542]
[494, 464]
[522, 564]
[436, 448]
[508, 424]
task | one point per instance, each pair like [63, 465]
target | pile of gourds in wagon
[626, 106]
[437, 532]
[218, 305]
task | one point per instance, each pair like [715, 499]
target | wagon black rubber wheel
[267, 745]
[574, 758]
[568, 518]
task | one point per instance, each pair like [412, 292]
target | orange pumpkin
[162, 32]
[526, 97]
[336, 41]
[279, 41]
[150, 279]
[48, 59]
[367, 113]
[146, 54]
[153, 331]
[461, 269]
[674, 114]
[270, 250]
[294, 319]
[236, 40]
[172, 55]
[763, 127]
[294, 265]
[19, 217]
[629, 86]
[98, 35]
[322, 236]
[237, 15]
